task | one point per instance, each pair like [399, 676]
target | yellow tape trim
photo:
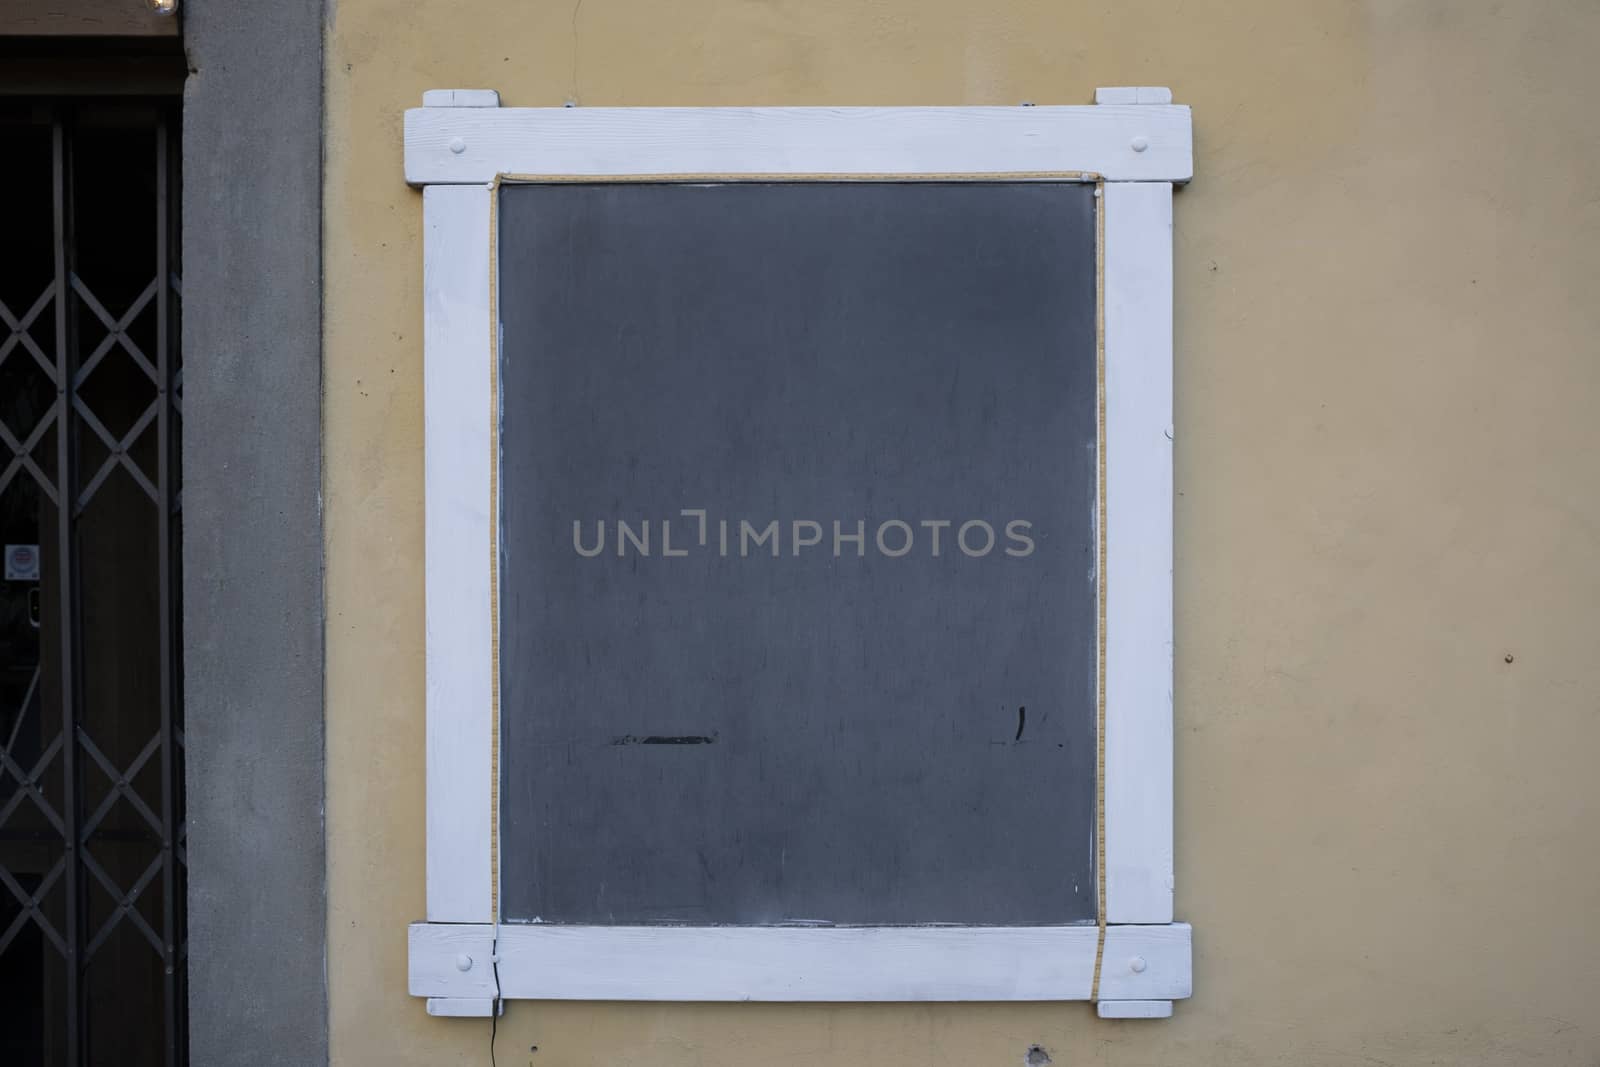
[660, 179]
[494, 553]
[1100, 576]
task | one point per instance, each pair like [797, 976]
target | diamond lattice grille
[92, 940]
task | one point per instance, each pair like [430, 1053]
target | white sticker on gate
[22, 563]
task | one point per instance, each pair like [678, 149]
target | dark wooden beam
[85, 18]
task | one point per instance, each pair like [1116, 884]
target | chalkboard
[797, 552]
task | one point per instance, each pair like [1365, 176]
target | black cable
[494, 1005]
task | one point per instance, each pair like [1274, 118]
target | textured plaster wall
[1388, 527]
[252, 531]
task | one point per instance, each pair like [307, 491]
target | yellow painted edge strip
[1100, 574]
[494, 554]
[1004, 176]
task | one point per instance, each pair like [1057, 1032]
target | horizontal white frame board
[474, 1008]
[1138, 144]
[1127, 1009]
[1121, 142]
[773, 963]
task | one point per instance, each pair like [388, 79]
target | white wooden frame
[1136, 144]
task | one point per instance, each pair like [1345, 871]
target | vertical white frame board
[1135, 144]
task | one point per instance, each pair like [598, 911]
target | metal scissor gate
[92, 942]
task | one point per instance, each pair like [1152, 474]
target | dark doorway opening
[92, 861]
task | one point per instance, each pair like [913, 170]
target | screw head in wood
[458, 146]
[463, 962]
[1140, 144]
[1137, 965]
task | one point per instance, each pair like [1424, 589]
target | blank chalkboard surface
[797, 552]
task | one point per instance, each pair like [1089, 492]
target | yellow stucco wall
[1387, 466]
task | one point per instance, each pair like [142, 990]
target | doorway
[92, 843]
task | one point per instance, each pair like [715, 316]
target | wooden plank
[1146, 963]
[457, 361]
[451, 960]
[464, 1007]
[1133, 94]
[1138, 303]
[785, 964]
[85, 18]
[1138, 142]
[1133, 1009]
[461, 98]
[766, 963]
